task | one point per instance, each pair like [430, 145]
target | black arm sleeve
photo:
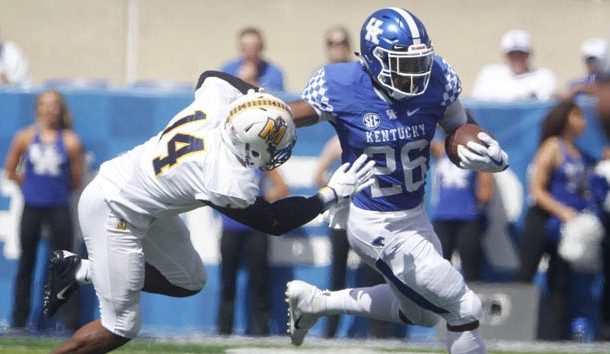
[469, 120]
[278, 217]
[238, 83]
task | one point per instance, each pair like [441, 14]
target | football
[461, 136]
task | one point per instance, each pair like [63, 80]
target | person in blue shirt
[592, 51]
[603, 113]
[53, 165]
[459, 197]
[387, 105]
[251, 66]
[239, 243]
[558, 192]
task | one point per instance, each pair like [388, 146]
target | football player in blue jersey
[387, 106]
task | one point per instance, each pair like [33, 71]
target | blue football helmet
[396, 50]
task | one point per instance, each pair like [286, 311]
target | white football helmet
[260, 131]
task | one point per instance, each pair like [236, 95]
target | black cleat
[61, 283]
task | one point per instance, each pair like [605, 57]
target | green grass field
[280, 345]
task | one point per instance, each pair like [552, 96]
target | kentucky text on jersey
[395, 134]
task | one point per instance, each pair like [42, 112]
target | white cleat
[301, 313]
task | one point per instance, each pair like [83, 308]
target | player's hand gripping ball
[472, 148]
[462, 135]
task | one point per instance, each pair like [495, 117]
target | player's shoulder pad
[447, 79]
[236, 82]
[330, 87]
[344, 74]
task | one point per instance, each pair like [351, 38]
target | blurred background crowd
[533, 74]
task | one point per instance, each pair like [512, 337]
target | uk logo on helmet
[373, 31]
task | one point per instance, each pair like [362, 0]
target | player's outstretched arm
[303, 113]
[289, 213]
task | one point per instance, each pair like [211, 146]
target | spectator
[459, 197]
[53, 166]
[13, 65]
[250, 66]
[239, 242]
[557, 187]
[603, 92]
[337, 218]
[603, 113]
[592, 51]
[517, 79]
[338, 45]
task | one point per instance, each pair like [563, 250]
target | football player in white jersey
[206, 155]
[387, 106]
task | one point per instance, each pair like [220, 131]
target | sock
[469, 342]
[376, 302]
[83, 275]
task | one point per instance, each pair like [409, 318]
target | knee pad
[470, 313]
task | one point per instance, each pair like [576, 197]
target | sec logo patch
[371, 120]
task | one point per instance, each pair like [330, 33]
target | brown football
[461, 136]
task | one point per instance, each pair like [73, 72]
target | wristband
[327, 196]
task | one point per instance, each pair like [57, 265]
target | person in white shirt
[14, 69]
[517, 79]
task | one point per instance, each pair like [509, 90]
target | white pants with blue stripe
[403, 247]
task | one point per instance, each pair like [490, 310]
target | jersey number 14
[180, 144]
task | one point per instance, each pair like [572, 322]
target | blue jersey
[47, 173]
[567, 185]
[396, 134]
[270, 76]
[454, 192]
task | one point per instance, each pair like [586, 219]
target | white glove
[490, 158]
[347, 181]
[336, 215]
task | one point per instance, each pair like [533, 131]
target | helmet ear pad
[260, 131]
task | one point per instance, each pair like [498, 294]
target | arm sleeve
[238, 83]
[278, 217]
[453, 117]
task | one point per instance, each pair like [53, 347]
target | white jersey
[184, 164]
[497, 82]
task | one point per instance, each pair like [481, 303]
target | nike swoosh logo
[410, 113]
[498, 163]
[60, 295]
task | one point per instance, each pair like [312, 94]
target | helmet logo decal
[371, 120]
[274, 130]
[373, 31]
[417, 47]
